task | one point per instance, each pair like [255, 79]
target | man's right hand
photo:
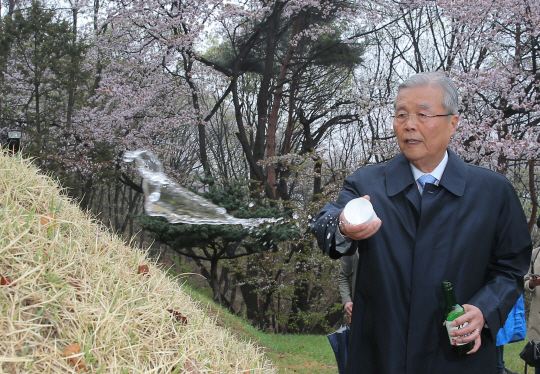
[358, 232]
[348, 307]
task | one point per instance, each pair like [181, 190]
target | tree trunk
[216, 289]
[72, 68]
[11, 7]
[501, 160]
[263, 96]
[255, 171]
[534, 201]
[251, 298]
[86, 192]
[273, 118]
[37, 112]
[300, 301]
[132, 203]
[188, 63]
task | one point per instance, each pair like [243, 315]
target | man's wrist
[341, 238]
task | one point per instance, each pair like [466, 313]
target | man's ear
[454, 123]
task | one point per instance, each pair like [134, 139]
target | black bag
[531, 354]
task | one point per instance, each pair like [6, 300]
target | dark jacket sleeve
[326, 222]
[508, 264]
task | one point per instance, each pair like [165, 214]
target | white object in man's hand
[361, 231]
[358, 211]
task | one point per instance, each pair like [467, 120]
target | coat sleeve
[326, 222]
[534, 257]
[344, 279]
[509, 262]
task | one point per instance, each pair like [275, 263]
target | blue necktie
[426, 178]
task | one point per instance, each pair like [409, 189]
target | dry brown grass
[68, 281]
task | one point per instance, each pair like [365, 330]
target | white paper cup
[359, 211]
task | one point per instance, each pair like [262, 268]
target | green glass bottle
[453, 311]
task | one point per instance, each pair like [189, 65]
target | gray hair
[438, 79]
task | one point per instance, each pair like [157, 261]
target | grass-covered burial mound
[75, 298]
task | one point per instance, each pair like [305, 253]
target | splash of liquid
[165, 198]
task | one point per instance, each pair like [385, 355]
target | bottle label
[451, 328]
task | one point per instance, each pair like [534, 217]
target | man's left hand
[476, 322]
[348, 308]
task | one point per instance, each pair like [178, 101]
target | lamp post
[13, 141]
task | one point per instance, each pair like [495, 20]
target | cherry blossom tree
[301, 119]
[290, 95]
[491, 52]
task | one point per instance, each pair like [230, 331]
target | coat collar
[399, 176]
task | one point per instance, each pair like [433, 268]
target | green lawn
[303, 354]
[311, 354]
[512, 360]
[307, 354]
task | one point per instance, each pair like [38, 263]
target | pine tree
[215, 243]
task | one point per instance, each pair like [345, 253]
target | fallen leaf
[178, 316]
[143, 269]
[4, 281]
[191, 366]
[72, 350]
[78, 361]
[48, 219]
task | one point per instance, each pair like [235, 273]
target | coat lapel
[399, 178]
[454, 177]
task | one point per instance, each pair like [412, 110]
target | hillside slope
[66, 281]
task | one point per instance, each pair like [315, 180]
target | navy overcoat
[470, 230]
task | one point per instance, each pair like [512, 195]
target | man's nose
[410, 123]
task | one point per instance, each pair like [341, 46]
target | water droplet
[154, 196]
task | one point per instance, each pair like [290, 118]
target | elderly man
[464, 224]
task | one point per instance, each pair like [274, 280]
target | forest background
[261, 106]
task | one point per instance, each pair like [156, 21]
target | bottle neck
[449, 294]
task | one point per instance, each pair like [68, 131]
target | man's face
[424, 143]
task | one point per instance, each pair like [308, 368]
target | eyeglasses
[422, 118]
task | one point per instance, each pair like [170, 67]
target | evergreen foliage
[214, 243]
[44, 55]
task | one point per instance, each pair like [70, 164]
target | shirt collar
[399, 175]
[437, 173]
